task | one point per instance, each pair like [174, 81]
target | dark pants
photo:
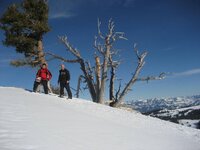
[44, 83]
[65, 85]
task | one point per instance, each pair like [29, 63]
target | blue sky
[168, 29]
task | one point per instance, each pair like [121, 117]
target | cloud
[62, 8]
[61, 15]
[123, 3]
[70, 8]
[187, 73]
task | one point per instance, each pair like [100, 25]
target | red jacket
[45, 74]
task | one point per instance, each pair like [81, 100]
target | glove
[38, 79]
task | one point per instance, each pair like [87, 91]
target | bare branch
[63, 59]
[113, 63]
[133, 79]
[98, 47]
[99, 30]
[89, 68]
[136, 50]
[79, 85]
[110, 28]
[29, 61]
[118, 36]
[73, 50]
[118, 92]
[160, 77]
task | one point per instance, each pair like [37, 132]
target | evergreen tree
[24, 25]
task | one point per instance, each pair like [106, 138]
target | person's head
[62, 66]
[44, 66]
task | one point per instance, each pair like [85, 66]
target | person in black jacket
[63, 80]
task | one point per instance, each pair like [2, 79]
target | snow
[175, 112]
[32, 121]
[189, 122]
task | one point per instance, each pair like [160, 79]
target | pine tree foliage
[24, 25]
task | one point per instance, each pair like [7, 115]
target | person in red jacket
[42, 77]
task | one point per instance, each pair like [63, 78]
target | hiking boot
[61, 96]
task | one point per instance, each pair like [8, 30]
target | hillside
[189, 116]
[32, 121]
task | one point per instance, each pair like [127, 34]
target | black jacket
[64, 76]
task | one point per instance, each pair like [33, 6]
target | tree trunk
[98, 74]
[112, 79]
[89, 81]
[41, 56]
[78, 87]
[104, 72]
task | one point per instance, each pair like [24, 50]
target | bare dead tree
[103, 44]
[106, 50]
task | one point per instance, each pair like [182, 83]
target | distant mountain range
[181, 110]
[156, 104]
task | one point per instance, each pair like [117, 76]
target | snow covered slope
[189, 116]
[30, 121]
